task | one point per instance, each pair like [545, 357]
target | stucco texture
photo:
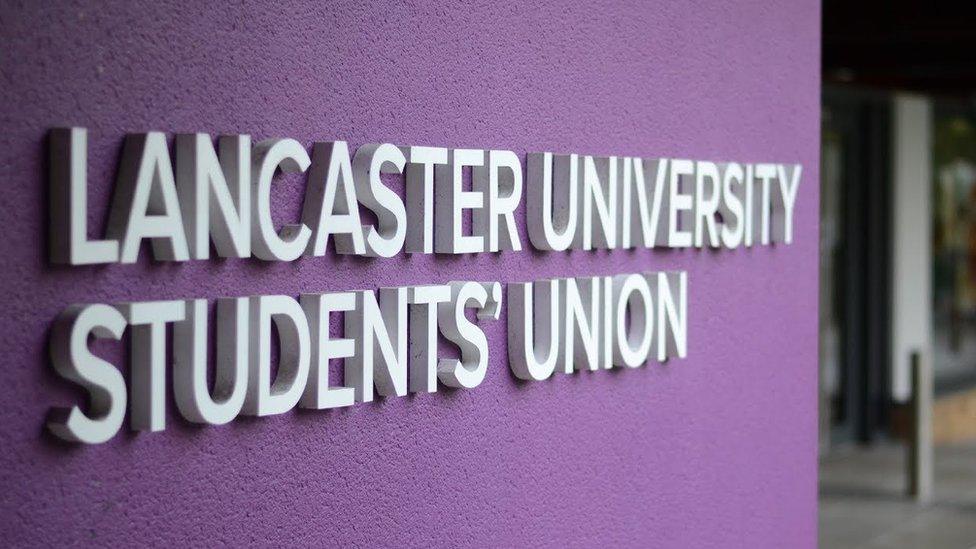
[717, 450]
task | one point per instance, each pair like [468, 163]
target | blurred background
[898, 275]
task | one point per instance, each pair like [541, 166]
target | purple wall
[715, 450]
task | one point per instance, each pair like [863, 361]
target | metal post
[920, 438]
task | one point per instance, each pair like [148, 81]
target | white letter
[321, 211]
[679, 205]
[148, 321]
[211, 207]
[380, 329]
[469, 371]
[265, 398]
[424, 302]
[420, 197]
[731, 205]
[69, 203]
[672, 318]
[660, 205]
[752, 205]
[785, 194]
[193, 398]
[145, 204]
[500, 206]
[705, 208]
[452, 200]
[103, 381]
[318, 308]
[269, 156]
[581, 324]
[602, 194]
[765, 173]
[552, 224]
[533, 325]
[633, 345]
[386, 238]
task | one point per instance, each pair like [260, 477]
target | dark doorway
[855, 264]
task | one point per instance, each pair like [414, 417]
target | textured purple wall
[715, 450]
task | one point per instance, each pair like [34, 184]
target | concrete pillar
[911, 300]
[911, 284]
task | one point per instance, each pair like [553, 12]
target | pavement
[863, 503]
